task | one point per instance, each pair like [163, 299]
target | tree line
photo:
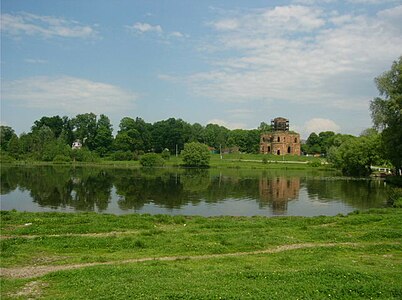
[52, 137]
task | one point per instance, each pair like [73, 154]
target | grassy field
[95, 256]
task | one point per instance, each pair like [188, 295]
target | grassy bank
[94, 256]
[233, 161]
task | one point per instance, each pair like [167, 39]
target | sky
[233, 63]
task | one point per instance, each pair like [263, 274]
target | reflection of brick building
[279, 191]
[280, 141]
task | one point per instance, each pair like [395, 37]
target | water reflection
[277, 192]
[137, 190]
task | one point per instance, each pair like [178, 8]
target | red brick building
[280, 141]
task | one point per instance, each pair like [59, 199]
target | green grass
[232, 161]
[347, 257]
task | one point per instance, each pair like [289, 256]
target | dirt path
[37, 271]
[95, 234]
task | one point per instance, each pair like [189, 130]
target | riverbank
[95, 256]
[231, 161]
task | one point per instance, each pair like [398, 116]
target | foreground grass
[343, 257]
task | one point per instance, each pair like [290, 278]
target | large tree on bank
[386, 113]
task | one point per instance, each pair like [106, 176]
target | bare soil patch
[32, 290]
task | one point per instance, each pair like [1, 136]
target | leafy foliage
[196, 155]
[319, 144]
[386, 112]
[151, 160]
[355, 155]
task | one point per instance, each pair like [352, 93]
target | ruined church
[280, 140]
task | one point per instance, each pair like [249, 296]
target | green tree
[326, 140]
[247, 140]
[85, 126]
[197, 133]
[356, 155]
[386, 113]
[170, 133]
[216, 136]
[104, 136]
[196, 155]
[40, 139]
[264, 127]
[55, 124]
[6, 133]
[312, 145]
[133, 135]
[67, 134]
[55, 148]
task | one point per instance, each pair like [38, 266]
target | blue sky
[233, 63]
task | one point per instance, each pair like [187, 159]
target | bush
[315, 163]
[122, 155]
[84, 155]
[6, 158]
[166, 154]
[395, 197]
[151, 160]
[398, 203]
[196, 155]
[61, 159]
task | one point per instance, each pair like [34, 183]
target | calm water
[190, 192]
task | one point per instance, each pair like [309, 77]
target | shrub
[61, 159]
[166, 154]
[314, 163]
[122, 155]
[84, 155]
[196, 155]
[6, 158]
[151, 160]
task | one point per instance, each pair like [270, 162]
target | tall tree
[104, 136]
[6, 133]
[169, 134]
[356, 155]
[85, 126]
[386, 112]
[216, 136]
[264, 127]
[133, 135]
[55, 124]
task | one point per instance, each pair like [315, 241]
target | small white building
[76, 145]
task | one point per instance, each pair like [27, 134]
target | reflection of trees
[7, 181]
[278, 191]
[157, 186]
[360, 194]
[90, 188]
[80, 188]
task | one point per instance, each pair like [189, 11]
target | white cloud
[318, 125]
[44, 26]
[302, 55]
[35, 61]
[227, 124]
[226, 24]
[372, 1]
[145, 27]
[67, 94]
[176, 34]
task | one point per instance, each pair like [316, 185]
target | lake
[213, 192]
